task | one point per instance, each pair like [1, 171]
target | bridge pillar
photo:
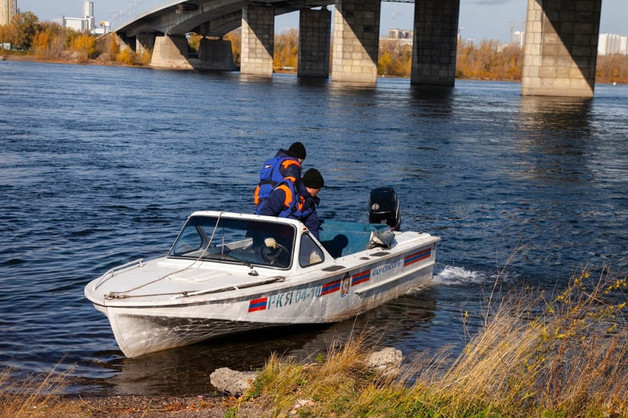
[356, 41]
[258, 40]
[171, 51]
[560, 52]
[214, 54]
[144, 42]
[435, 42]
[314, 37]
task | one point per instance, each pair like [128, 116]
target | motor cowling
[384, 207]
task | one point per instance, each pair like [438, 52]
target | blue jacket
[284, 201]
[273, 172]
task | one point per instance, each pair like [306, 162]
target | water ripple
[525, 189]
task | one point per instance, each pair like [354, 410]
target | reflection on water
[556, 115]
[432, 93]
[557, 134]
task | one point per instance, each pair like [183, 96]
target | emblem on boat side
[258, 304]
[344, 287]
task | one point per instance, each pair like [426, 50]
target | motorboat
[228, 273]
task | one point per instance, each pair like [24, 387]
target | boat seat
[344, 238]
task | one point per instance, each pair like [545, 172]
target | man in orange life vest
[283, 164]
[296, 198]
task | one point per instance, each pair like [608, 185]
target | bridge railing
[137, 8]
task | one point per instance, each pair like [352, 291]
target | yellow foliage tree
[41, 42]
[8, 33]
[395, 58]
[235, 37]
[126, 57]
[384, 63]
[194, 42]
[49, 41]
[489, 61]
[612, 69]
[286, 50]
[84, 46]
[145, 57]
[114, 48]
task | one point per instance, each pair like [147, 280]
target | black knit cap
[297, 150]
[313, 179]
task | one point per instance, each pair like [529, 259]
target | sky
[479, 19]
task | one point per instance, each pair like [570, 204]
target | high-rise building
[610, 44]
[518, 38]
[85, 23]
[88, 15]
[8, 8]
[400, 34]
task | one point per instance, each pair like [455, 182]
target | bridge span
[559, 56]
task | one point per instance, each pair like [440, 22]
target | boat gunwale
[217, 298]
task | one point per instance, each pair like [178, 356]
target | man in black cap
[296, 199]
[283, 164]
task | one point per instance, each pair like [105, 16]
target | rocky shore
[134, 406]
[230, 386]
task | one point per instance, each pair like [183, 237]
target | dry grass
[566, 355]
[35, 396]
[568, 358]
[331, 384]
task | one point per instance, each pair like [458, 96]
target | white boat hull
[189, 303]
[139, 331]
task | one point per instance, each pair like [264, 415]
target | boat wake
[459, 276]
[455, 276]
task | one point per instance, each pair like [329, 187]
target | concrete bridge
[559, 56]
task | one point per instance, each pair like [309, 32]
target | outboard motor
[384, 207]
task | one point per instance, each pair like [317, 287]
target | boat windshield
[241, 241]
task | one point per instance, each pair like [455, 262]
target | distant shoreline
[32, 58]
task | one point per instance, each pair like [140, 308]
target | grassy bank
[561, 355]
[565, 355]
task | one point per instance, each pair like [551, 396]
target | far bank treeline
[488, 60]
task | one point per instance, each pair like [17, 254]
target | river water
[101, 165]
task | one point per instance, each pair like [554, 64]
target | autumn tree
[194, 42]
[126, 57]
[7, 33]
[49, 42]
[110, 49]
[489, 61]
[612, 69]
[395, 58]
[235, 37]
[26, 27]
[286, 49]
[83, 46]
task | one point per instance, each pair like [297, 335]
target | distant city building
[608, 43]
[104, 28]
[398, 37]
[76, 23]
[85, 23]
[400, 34]
[88, 14]
[8, 8]
[611, 44]
[518, 38]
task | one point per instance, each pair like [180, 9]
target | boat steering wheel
[272, 250]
